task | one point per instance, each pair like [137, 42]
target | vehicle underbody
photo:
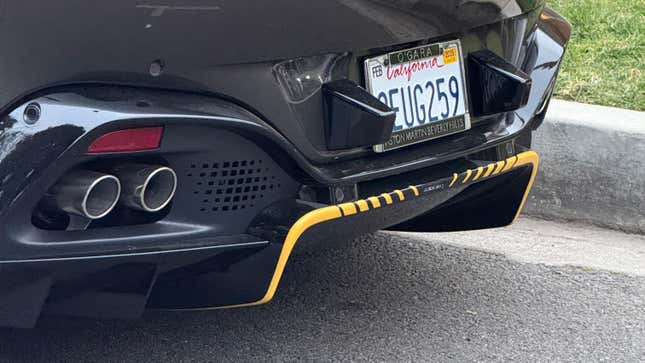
[229, 114]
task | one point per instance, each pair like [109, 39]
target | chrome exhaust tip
[87, 193]
[147, 187]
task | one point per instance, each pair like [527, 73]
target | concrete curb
[592, 166]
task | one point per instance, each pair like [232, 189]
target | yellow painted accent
[348, 208]
[510, 163]
[455, 176]
[388, 198]
[362, 205]
[480, 170]
[375, 202]
[468, 174]
[400, 194]
[415, 190]
[527, 158]
[500, 166]
[489, 170]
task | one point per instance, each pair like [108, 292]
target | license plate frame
[430, 59]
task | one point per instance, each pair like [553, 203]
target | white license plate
[425, 86]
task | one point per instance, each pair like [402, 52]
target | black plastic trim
[354, 118]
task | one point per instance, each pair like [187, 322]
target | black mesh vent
[228, 186]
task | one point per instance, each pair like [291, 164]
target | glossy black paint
[28, 149]
[72, 71]
[355, 118]
[545, 47]
[471, 209]
[502, 86]
[107, 286]
[230, 48]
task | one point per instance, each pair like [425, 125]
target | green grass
[605, 57]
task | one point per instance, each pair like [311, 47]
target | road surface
[537, 291]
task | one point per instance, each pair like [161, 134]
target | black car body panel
[216, 78]
[231, 48]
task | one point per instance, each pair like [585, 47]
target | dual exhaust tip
[93, 195]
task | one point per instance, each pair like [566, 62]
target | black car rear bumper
[245, 270]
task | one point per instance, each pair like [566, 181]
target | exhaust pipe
[147, 187]
[87, 193]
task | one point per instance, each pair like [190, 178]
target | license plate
[425, 86]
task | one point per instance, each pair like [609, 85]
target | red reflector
[146, 138]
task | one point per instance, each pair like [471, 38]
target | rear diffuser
[490, 195]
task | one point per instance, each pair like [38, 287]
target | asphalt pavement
[537, 291]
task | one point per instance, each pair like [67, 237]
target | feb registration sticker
[425, 87]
